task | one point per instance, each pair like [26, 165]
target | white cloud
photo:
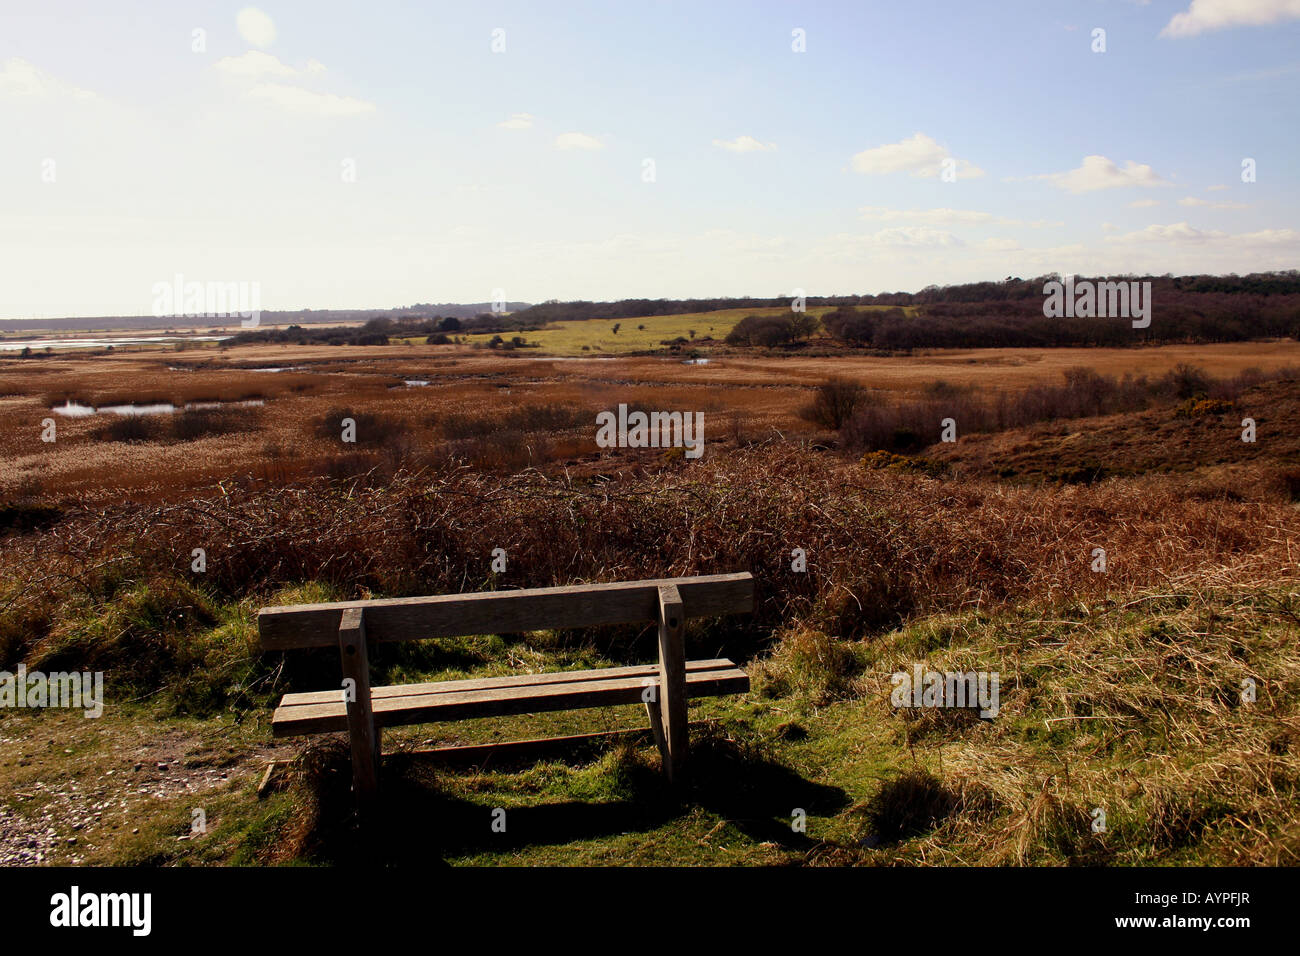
[265, 70]
[255, 27]
[999, 245]
[914, 237]
[255, 63]
[936, 216]
[944, 216]
[21, 78]
[1215, 189]
[517, 121]
[1143, 203]
[963, 169]
[1269, 237]
[920, 155]
[1194, 201]
[1176, 232]
[1206, 15]
[1098, 172]
[744, 144]
[298, 100]
[577, 141]
[1184, 233]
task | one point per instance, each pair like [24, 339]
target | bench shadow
[758, 795]
[420, 821]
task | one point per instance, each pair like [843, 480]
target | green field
[645, 334]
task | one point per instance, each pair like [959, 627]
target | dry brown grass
[1134, 708]
[744, 399]
[881, 546]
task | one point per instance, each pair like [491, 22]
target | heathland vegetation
[1006, 314]
[1124, 688]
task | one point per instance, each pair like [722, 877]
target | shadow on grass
[420, 821]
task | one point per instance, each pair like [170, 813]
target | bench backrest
[504, 612]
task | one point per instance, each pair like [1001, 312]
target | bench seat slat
[508, 680]
[581, 690]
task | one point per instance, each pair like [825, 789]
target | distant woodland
[1008, 313]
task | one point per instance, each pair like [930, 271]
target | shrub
[371, 428]
[1199, 407]
[851, 326]
[133, 428]
[766, 331]
[1186, 381]
[833, 403]
[202, 422]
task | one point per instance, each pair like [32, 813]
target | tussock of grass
[1133, 710]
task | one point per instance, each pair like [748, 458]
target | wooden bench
[364, 711]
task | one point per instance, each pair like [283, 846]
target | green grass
[1130, 708]
[568, 337]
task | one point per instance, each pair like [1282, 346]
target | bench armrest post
[672, 678]
[363, 734]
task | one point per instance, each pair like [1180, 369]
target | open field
[697, 329]
[1120, 689]
[743, 398]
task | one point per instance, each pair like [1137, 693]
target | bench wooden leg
[657, 728]
[672, 679]
[363, 734]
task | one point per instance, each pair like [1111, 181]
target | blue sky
[378, 154]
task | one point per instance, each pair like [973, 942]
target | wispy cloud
[577, 141]
[1185, 233]
[944, 216]
[517, 121]
[265, 78]
[1098, 172]
[1204, 16]
[255, 63]
[919, 154]
[744, 144]
[914, 237]
[21, 78]
[298, 100]
[1194, 201]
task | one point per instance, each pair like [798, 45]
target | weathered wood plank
[657, 730]
[507, 680]
[672, 678]
[498, 701]
[498, 612]
[358, 712]
[264, 788]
